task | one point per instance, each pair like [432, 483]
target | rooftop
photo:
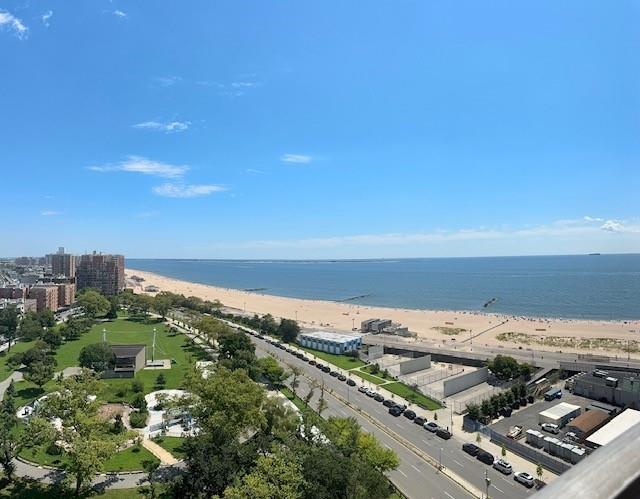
[123, 351]
[587, 421]
[330, 336]
[618, 425]
[559, 410]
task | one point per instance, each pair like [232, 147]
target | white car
[524, 478]
[503, 466]
[551, 428]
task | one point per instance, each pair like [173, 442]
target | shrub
[53, 449]
[139, 402]
[161, 380]
[137, 386]
[138, 419]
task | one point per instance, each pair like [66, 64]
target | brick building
[102, 272]
[46, 296]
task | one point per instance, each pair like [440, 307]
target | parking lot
[528, 416]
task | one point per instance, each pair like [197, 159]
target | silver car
[524, 478]
[503, 466]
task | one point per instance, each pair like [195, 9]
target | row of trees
[490, 408]
[506, 368]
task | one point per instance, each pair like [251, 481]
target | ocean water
[581, 286]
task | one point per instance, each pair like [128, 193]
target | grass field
[5, 371]
[341, 361]
[379, 374]
[127, 460]
[130, 459]
[125, 331]
[297, 401]
[173, 444]
[411, 395]
[26, 488]
[372, 379]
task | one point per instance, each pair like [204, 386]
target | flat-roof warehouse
[616, 427]
[559, 414]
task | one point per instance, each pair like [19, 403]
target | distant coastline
[534, 287]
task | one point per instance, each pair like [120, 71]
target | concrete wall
[375, 352]
[417, 364]
[464, 381]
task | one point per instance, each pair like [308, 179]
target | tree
[503, 451]
[212, 328]
[93, 302]
[161, 380]
[9, 442]
[150, 467]
[87, 438]
[478, 438]
[279, 475]
[46, 318]
[272, 371]
[39, 373]
[97, 356]
[30, 327]
[288, 330]
[162, 304]
[9, 320]
[53, 338]
[539, 471]
[296, 372]
[473, 411]
[113, 309]
[268, 324]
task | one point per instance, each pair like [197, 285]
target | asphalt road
[419, 478]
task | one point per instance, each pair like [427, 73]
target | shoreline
[345, 316]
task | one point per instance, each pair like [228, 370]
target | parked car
[326, 369]
[395, 411]
[524, 478]
[420, 420]
[362, 389]
[402, 407]
[471, 449]
[551, 428]
[388, 403]
[334, 374]
[531, 399]
[378, 398]
[342, 377]
[319, 366]
[371, 393]
[443, 433]
[350, 382]
[502, 466]
[431, 426]
[485, 457]
[515, 431]
[312, 362]
[409, 414]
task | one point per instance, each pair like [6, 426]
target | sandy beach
[343, 316]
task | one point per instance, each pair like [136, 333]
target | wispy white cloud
[49, 213]
[167, 81]
[169, 127]
[171, 190]
[559, 229]
[231, 89]
[253, 171]
[119, 13]
[139, 164]
[296, 158]
[587, 218]
[45, 17]
[13, 24]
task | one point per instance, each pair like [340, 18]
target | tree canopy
[97, 356]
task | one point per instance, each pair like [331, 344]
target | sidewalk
[165, 456]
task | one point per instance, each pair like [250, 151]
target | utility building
[330, 342]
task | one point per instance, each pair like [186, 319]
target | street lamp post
[487, 481]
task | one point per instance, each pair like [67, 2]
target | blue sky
[321, 129]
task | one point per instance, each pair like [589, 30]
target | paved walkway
[162, 454]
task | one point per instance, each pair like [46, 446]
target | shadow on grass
[144, 320]
[23, 488]
[30, 393]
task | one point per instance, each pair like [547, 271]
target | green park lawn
[172, 444]
[379, 374]
[175, 346]
[21, 346]
[130, 459]
[413, 396]
[369, 377]
[26, 488]
[341, 361]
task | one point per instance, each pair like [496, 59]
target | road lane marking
[387, 446]
[402, 473]
[459, 464]
[426, 442]
[447, 493]
[502, 492]
[417, 469]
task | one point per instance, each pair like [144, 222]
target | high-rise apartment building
[46, 296]
[66, 294]
[63, 264]
[102, 272]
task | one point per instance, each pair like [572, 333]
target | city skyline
[306, 131]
